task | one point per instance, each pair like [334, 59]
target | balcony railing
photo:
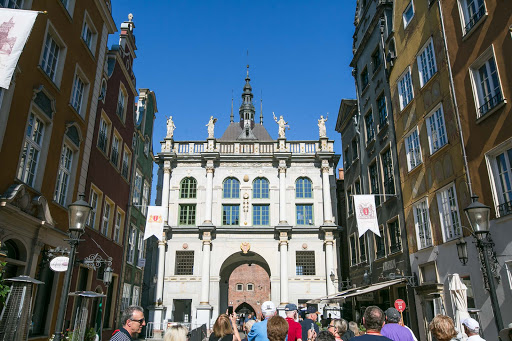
[380, 254]
[395, 247]
[505, 208]
[491, 103]
[475, 18]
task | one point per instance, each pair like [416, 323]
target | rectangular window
[184, 264]
[125, 301]
[145, 198]
[487, 85]
[357, 186]
[395, 242]
[370, 131]
[78, 94]
[50, 57]
[376, 59]
[187, 214]
[15, 4]
[380, 247]
[94, 204]
[305, 263]
[114, 153]
[346, 158]
[413, 150]
[131, 245]
[353, 250]
[362, 248]
[355, 149]
[449, 213]
[137, 189]
[436, 130]
[103, 135]
[29, 162]
[427, 63]
[304, 214]
[61, 188]
[261, 215]
[387, 169]
[117, 227]
[364, 78]
[87, 35]
[230, 214]
[469, 291]
[408, 14]
[472, 12]
[374, 182]
[136, 296]
[105, 221]
[127, 158]
[422, 224]
[140, 246]
[405, 90]
[121, 101]
[383, 111]
[350, 201]
[503, 182]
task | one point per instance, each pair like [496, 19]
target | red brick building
[249, 284]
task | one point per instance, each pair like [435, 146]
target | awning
[328, 298]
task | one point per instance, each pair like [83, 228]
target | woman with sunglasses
[177, 332]
[339, 329]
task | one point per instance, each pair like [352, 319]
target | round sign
[59, 264]
[400, 305]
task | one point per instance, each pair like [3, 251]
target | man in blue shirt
[259, 330]
[309, 322]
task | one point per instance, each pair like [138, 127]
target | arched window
[231, 188]
[188, 188]
[303, 188]
[260, 188]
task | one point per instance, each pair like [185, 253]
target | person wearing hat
[259, 330]
[506, 333]
[472, 329]
[294, 327]
[392, 329]
[309, 323]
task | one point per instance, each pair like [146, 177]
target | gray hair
[290, 313]
[341, 326]
[177, 332]
[128, 313]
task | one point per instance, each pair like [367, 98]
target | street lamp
[78, 214]
[479, 215]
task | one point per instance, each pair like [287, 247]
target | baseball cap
[290, 307]
[312, 310]
[392, 314]
[268, 307]
[472, 324]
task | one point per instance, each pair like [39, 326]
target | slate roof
[234, 130]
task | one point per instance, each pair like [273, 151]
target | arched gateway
[244, 198]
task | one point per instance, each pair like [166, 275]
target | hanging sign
[366, 214]
[59, 264]
[400, 305]
[154, 222]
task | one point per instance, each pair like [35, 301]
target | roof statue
[321, 126]
[170, 127]
[211, 126]
[282, 125]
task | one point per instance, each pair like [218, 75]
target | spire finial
[261, 107]
[231, 118]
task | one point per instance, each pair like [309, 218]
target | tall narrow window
[231, 215]
[472, 12]
[303, 188]
[50, 57]
[405, 91]
[131, 245]
[304, 214]
[137, 189]
[103, 135]
[355, 149]
[353, 250]
[413, 150]
[374, 182]
[383, 111]
[127, 158]
[29, 162]
[362, 248]
[427, 63]
[87, 35]
[187, 214]
[387, 169]
[94, 204]
[395, 242]
[145, 198]
[364, 78]
[503, 181]
[408, 14]
[61, 188]
[380, 247]
[422, 223]
[305, 263]
[487, 84]
[260, 188]
[140, 248]
[188, 188]
[231, 188]
[376, 59]
[350, 201]
[117, 227]
[368, 123]
[105, 222]
[449, 213]
[261, 215]
[114, 153]
[78, 94]
[436, 130]
[121, 103]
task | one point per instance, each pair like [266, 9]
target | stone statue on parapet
[211, 126]
[282, 125]
[170, 127]
[321, 125]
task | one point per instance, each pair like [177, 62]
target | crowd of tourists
[377, 325]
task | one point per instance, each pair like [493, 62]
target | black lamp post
[78, 214]
[479, 215]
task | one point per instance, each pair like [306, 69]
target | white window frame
[145, 197]
[423, 225]
[407, 22]
[480, 99]
[405, 88]
[448, 214]
[118, 223]
[125, 300]
[64, 174]
[414, 157]
[137, 189]
[105, 219]
[140, 246]
[59, 65]
[116, 145]
[14, 4]
[122, 101]
[465, 17]
[427, 65]
[89, 25]
[69, 5]
[104, 126]
[95, 202]
[127, 161]
[29, 144]
[79, 98]
[494, 175]
[436, 129]
[131, 245]
[136, 295]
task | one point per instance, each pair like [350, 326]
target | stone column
[209, 192]
[329, 262]
[283, 249]
[165, 191]
[282, 192]
[204, 310]
[160, 283]
[326, 191]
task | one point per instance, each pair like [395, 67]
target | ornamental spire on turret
[247, 110]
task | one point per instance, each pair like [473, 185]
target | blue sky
[193, 54]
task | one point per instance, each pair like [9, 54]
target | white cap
[268, 307]
[471, 324]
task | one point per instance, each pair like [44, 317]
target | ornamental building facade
[243, 198]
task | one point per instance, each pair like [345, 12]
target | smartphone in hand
[230, 310]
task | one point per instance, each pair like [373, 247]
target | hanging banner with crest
[154, 222]
[15, 27]
[366, 214]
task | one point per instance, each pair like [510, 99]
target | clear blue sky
[193, 54]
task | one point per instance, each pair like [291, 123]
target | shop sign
[368, 297]
[59, 264]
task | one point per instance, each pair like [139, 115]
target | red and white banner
[366, 214]
[15, 27]
[154, 222]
